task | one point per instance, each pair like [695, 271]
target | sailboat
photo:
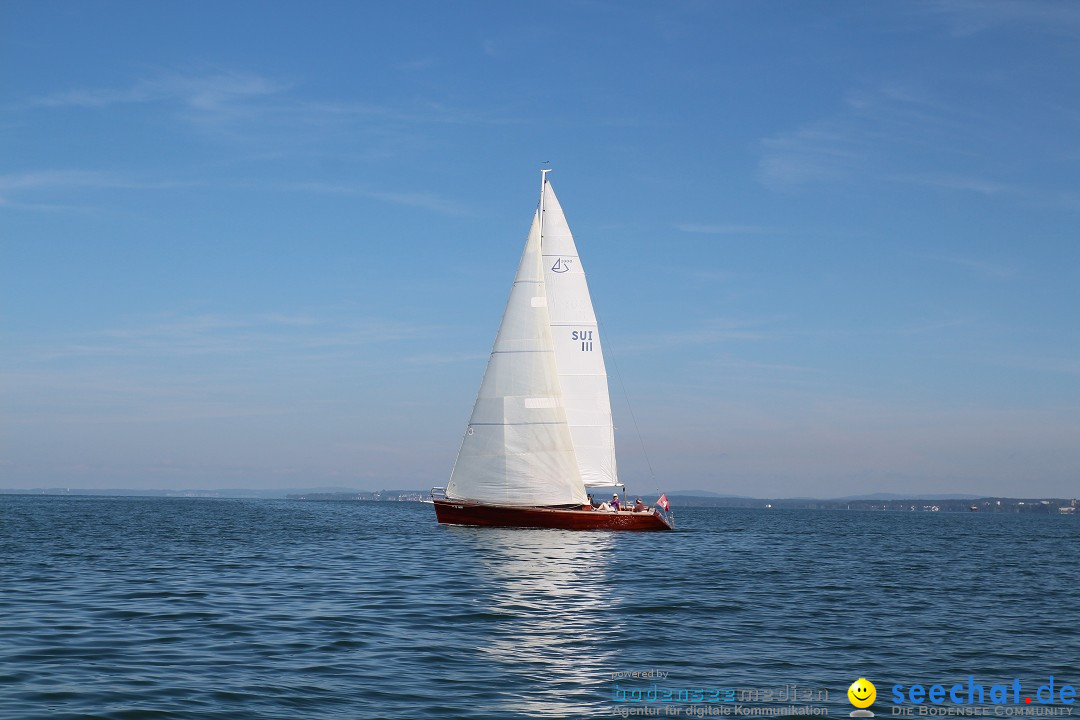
[541, 431]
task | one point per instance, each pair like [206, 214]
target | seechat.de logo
[862, 694]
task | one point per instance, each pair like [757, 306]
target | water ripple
[193, 608]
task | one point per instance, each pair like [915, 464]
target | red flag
[662, 502]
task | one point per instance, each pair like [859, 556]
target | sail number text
[585, 337]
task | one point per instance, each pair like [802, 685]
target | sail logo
[561, 266]
[585, 337]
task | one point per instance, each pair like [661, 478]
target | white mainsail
[518, 448]
[578, 356]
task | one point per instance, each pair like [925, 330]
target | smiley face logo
[862, 693]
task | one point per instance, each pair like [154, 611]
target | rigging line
[626, 395]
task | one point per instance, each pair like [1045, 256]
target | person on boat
[639, 506]
[615, 504]
[593, 502]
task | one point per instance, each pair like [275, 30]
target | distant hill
[701, 493]
[912, 496]
[865, 496]
[214, 493]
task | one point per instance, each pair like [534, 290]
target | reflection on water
[551, 589]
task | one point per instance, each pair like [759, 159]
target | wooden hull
[458, 512]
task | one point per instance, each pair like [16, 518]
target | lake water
[203, 608]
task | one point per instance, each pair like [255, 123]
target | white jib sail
[578, 356]
[518, 449]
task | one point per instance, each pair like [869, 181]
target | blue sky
[833, 246]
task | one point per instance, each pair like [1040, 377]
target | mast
[543, 181]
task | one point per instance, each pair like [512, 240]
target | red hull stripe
[450, 512]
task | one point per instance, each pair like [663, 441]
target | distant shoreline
[1044, 505]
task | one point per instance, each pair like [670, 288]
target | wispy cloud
[713, 332]
[868, 126]
[259, 116]
[206, 366]
[15, 186]
[981, 186]
[706, 275]
[710, 332]
[416, 64]
[1066, 198]
[212, 98]
[969, 17]
[730, 362]
[444, 358]
[426, 201]
[1042, 364]
[932, 326]
[203, 90]
[709, 229]
[985, 268]
[1062, 198]
[809, 154]
[236, 335]
[53, 178]
[59, 179]
[221, 100]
